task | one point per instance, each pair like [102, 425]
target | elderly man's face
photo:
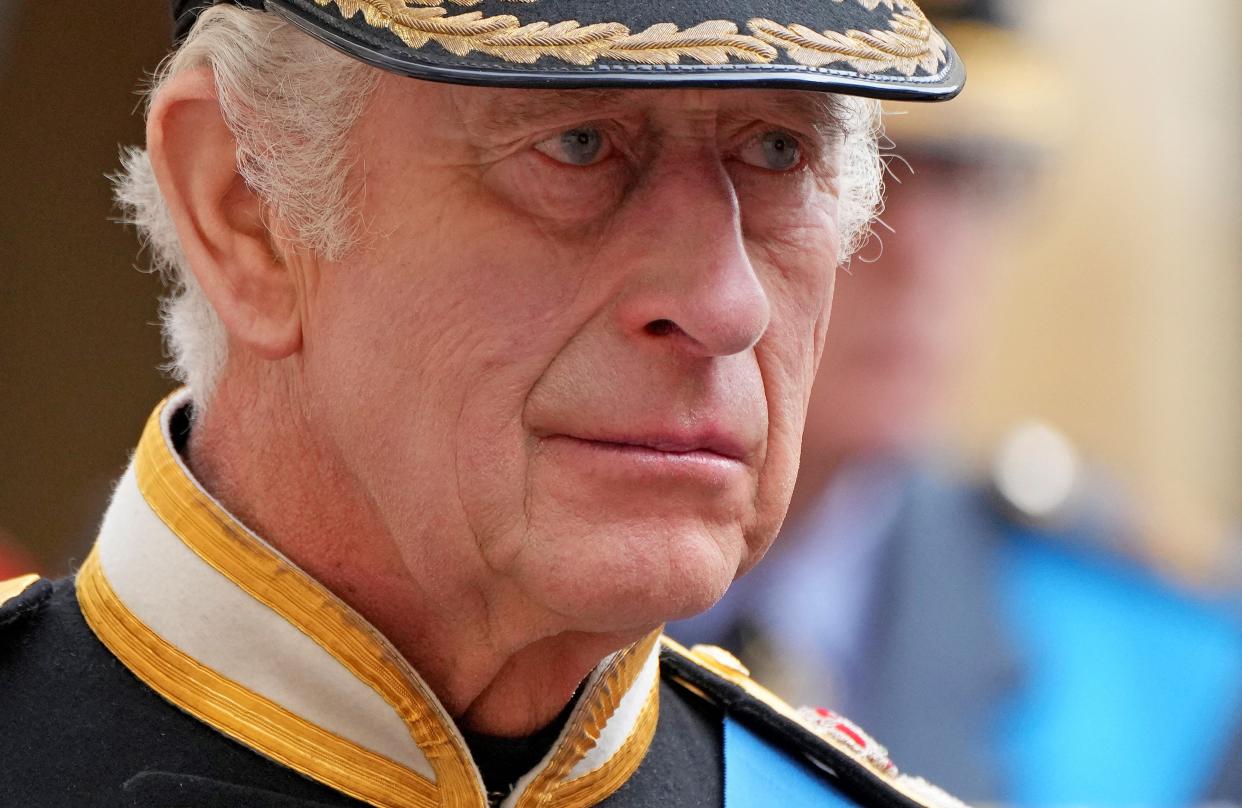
[577, 350]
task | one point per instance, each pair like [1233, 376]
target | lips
[717, 444]
[707, 442]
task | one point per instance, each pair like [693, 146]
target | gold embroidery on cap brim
[711, 42]
[502, 36]
[476, 2]
[870, 5]
[910, 43]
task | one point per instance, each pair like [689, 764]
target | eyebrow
[516, 107]
[825, 111]
[822, 110]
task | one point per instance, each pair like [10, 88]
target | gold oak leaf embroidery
[870, 5]
[416, 26]
[711, 42]
[909, 44]
[568, 41]
[466, 2]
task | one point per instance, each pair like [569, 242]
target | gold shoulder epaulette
[829, 739]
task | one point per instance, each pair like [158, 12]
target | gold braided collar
[253, 675]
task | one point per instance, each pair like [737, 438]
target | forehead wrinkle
[511, 108]
[822, 110]
[515, 107]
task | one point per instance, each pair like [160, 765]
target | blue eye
[581, 146]
[776, 150]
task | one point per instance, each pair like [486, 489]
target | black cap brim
[876, 48]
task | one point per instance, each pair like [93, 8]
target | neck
[499, 664]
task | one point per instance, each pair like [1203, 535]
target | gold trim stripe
[213, 534]
[597, 784]
[229, 548]
[597, 706]
[241, 713]
[909, 43]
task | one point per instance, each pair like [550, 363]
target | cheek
[437, 333]
[801, 208]
[469, 266]
[799, 273]
[789, 356]
[799, 255]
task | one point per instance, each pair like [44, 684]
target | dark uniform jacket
[189, 664]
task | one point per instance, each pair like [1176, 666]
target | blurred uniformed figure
[996, 633]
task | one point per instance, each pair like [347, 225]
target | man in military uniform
[990, 628]
[499, 320]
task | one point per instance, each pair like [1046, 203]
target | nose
[694, 287]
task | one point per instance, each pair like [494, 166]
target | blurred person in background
[998, 634]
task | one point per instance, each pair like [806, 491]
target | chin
[629, 576]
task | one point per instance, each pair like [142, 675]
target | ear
[219, 219]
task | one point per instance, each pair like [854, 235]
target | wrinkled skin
[508, 302]
[557, 397]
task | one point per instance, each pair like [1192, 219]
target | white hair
[862, 172]
[291, 103]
